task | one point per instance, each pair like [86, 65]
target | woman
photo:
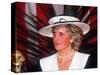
[67, 33]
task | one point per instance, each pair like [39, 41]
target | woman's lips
[57, 43]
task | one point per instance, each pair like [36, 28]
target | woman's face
[61, 38]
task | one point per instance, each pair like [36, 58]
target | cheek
[63, 43]
[66, 40]
[62, 40]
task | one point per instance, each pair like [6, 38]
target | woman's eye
[61, 34]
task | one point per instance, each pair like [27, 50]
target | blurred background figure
[17, 61]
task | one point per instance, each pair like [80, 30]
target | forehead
[60, 27]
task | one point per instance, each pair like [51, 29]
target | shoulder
[92, 61]
[48, 62]
[81, 55]
[79, 59]
[48, 59]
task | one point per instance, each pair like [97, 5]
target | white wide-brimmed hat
[61, 20]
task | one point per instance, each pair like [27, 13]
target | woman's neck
[66, 52]
[64, 58]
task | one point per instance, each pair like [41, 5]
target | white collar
[50, 63]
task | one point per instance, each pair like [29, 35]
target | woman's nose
[57, 37]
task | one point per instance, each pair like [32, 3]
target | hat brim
[47, 31]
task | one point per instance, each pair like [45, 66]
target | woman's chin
[58, 49]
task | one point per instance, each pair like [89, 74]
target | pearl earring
[71, 41]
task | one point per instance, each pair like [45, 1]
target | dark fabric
[29, 67]
[37, 67]
[33, 67]
[24, 68]
[92, 61]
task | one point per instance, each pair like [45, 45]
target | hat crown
[60, 19]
